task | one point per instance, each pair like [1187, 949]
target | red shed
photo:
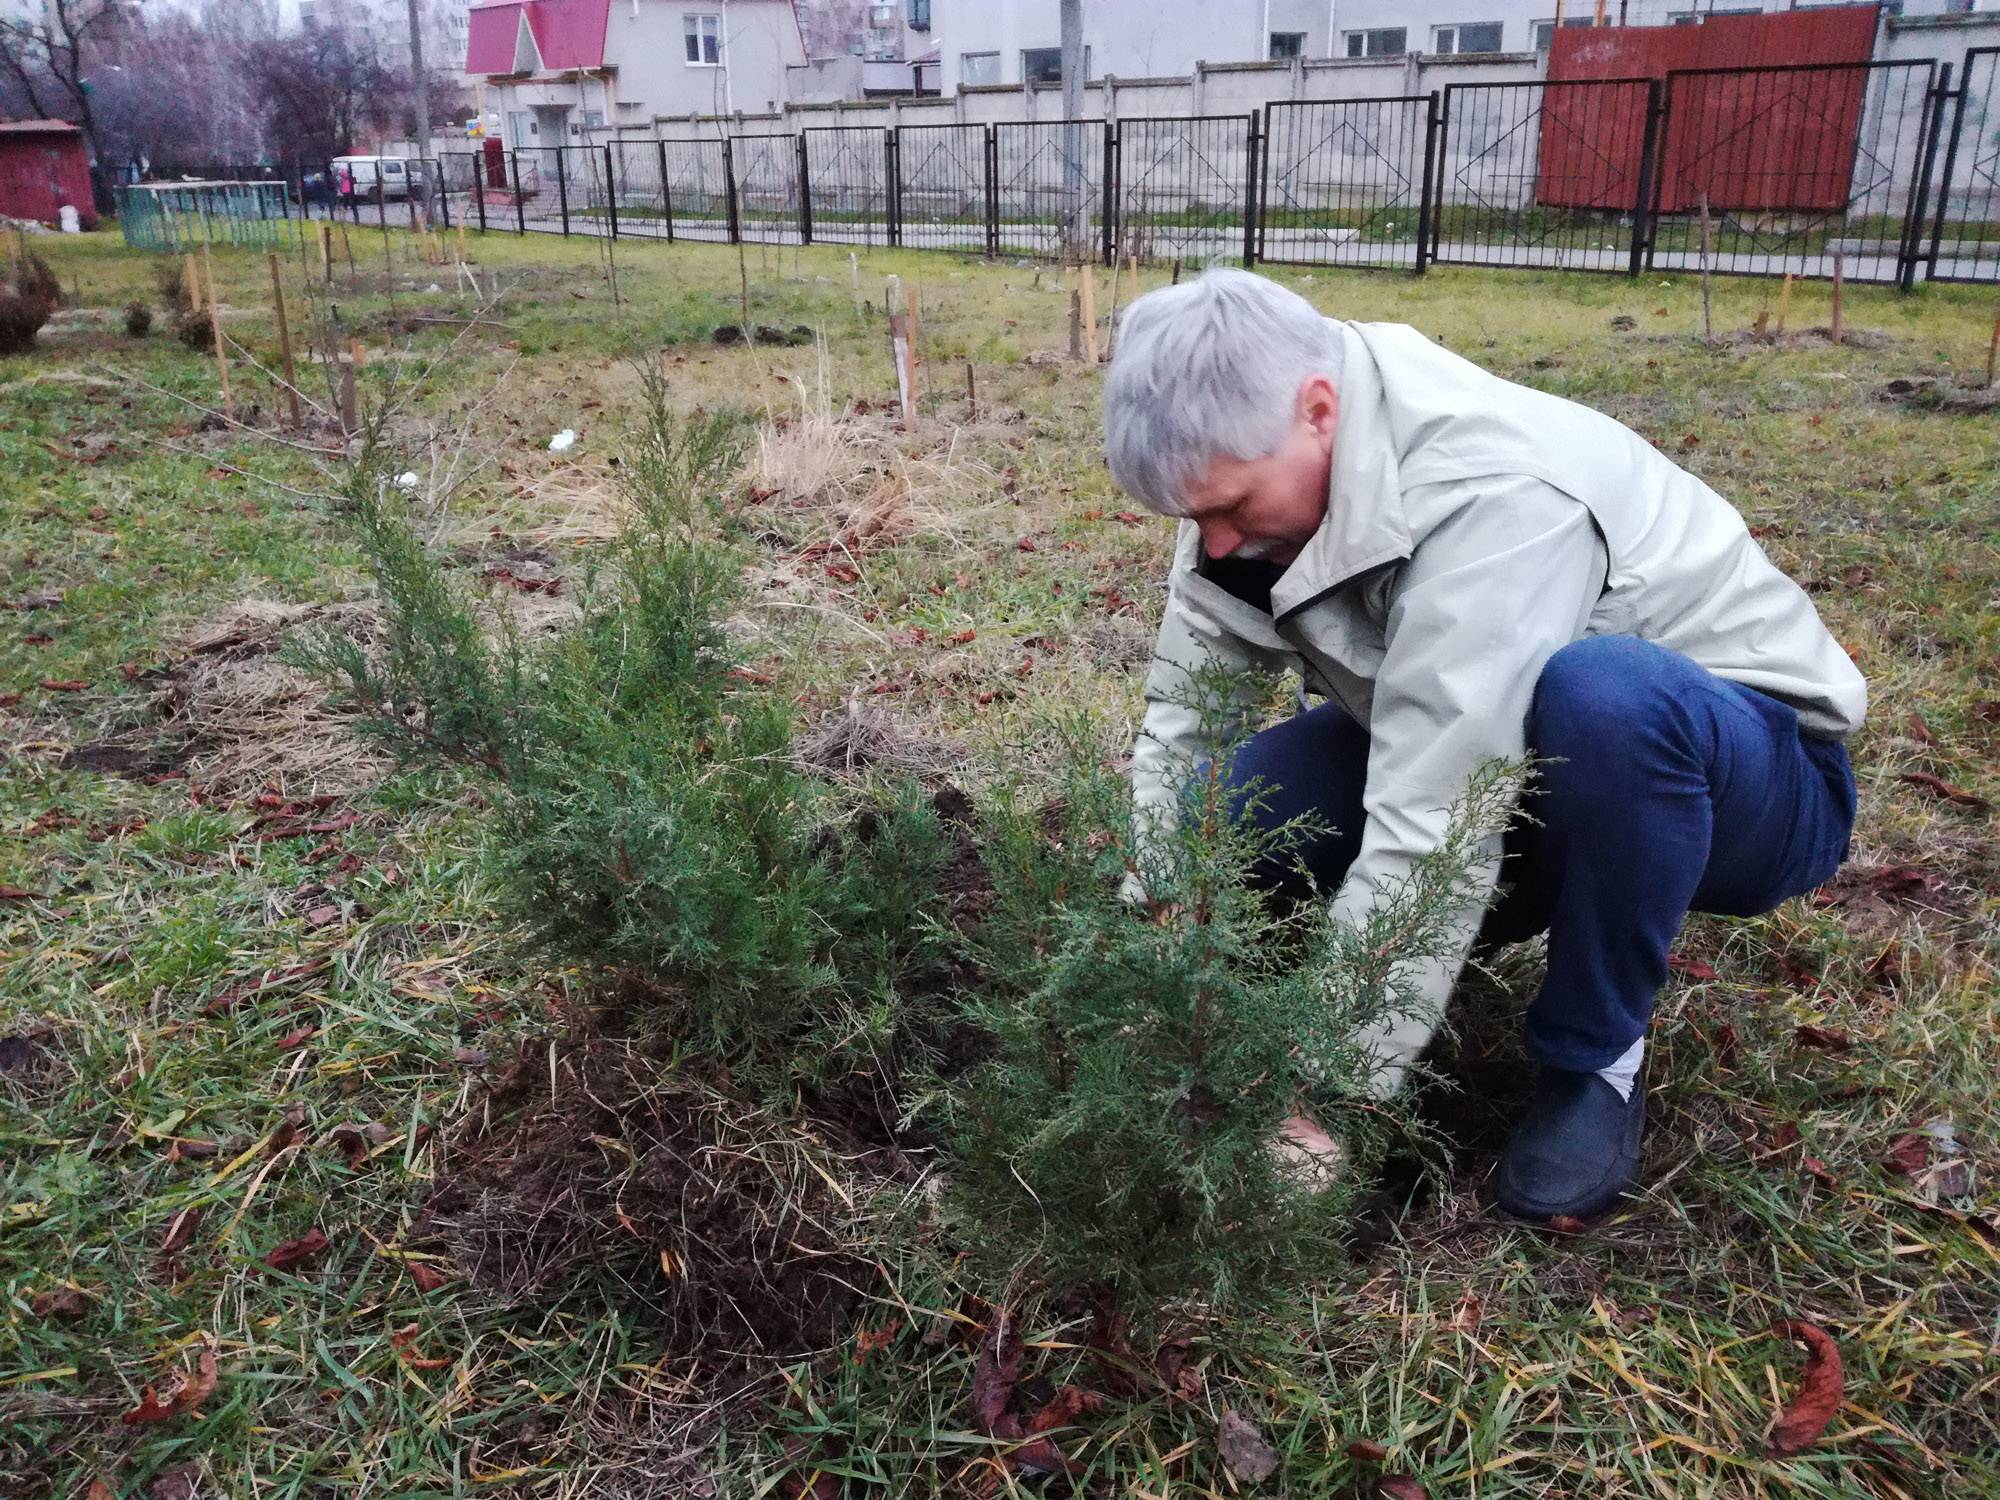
[43, 165]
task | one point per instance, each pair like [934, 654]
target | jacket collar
[1364, 526]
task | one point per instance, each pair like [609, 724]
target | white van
[356, 178]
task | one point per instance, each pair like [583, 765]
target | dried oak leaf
[427, 1276]
[1400, 1487]
[1938, 787]
[183, 1399]
[1907, 1155]
[1366, 1451]
[297, 1252]
[180, 1232]
[1068, 1403]
[404, 1342]
[1567, 1224]
[1691, 968]
[869, 1341]
[1822, 1037]
[1805, 1416]
[994, 1372]
[62, 1303]
[1244, 1451]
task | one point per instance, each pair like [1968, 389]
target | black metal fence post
[562, 187]
[1910, 251]
[1649, 158]
[611, 188]
[479, 187]
[1434, 181]
[992, 192]
[729, 180]
[1427, 195]
[1110, 194]
[892, 185]
[805, 193]
[520, 198]
[666, 194]
[1251, 183]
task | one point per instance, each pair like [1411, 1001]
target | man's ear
[1319, 407]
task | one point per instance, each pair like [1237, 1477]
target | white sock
[1625, 1071]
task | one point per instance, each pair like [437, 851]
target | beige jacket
[1474, 527]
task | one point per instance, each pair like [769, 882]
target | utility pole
[1072, 107]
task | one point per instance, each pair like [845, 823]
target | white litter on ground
[563, 441]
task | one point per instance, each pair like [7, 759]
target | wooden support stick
[972, 391]
[1784, 302]
[285, 344]
[854, 274]
[1839, 292]
[356, 353]
[1707, 308]
[326, 253]
[1089, 314]
[899, 349]
[192, 276]
[1076, 325]
[910, 327]
[215, 328]
[1992, 352]
[350, 420]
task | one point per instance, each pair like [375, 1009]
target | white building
[555, 70]
[382, 27]
[1017, 41]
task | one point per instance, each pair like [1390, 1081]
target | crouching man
[1465, 569]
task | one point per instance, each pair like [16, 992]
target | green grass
[1487, 1357]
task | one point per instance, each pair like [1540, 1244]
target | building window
[704, 40]
[1470, 36]
[1041, 65]
[920, 15]
[1287, 44]
[1385, 41]
[979, 67]
[1544, 31]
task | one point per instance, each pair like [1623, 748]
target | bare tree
[50, 60]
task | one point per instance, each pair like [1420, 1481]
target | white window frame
[998, 70]
[1354, 44]
[699, 28]
[1270, 45]
[1454, 34]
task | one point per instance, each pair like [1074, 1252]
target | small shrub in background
[29, 296]
[138, 319]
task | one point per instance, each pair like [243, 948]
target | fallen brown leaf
[1400, 1487]
[65, 684]
[1805, 1416]
[59, 1304]
[404, 1342]
[1366, 1450]
[1917, 728]
[1566, 1224]
[1691, 968]
[182, 1399]
[1908, 1154]
[180, 1231]
[869, 1341]
[427, 1276]
[297, 1252]
[1938, 787]
[1822, 1037]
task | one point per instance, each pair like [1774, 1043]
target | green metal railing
[189, 215]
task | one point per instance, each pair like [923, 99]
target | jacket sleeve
[1172, 737]
[1507, 578]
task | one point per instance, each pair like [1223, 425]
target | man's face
[1270, 507]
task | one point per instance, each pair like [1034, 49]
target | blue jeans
[1667, 790]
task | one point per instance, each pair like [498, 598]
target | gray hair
[1205, 370]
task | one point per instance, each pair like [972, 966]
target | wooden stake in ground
[1784, 303]
[326, 253]
[191, 275]
[285, 344]
[215, 328]
[350, 419]
[1177, 273]
[1839, 294]
[356, 353]
[1992, 352]
[1089, 313]
[899, 350]
[1707, 309]
[347, 244]
[854, 274]
[972, 391]
[1076, 325]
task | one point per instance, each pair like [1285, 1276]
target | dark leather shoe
[1577, 1151]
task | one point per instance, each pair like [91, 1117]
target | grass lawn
[252, 993]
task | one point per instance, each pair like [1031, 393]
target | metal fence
[1347, 182]
[1886, 168]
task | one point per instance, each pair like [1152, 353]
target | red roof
[567, 33]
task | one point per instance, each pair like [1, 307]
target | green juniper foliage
[1120, 1132]
[1107, 1081]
